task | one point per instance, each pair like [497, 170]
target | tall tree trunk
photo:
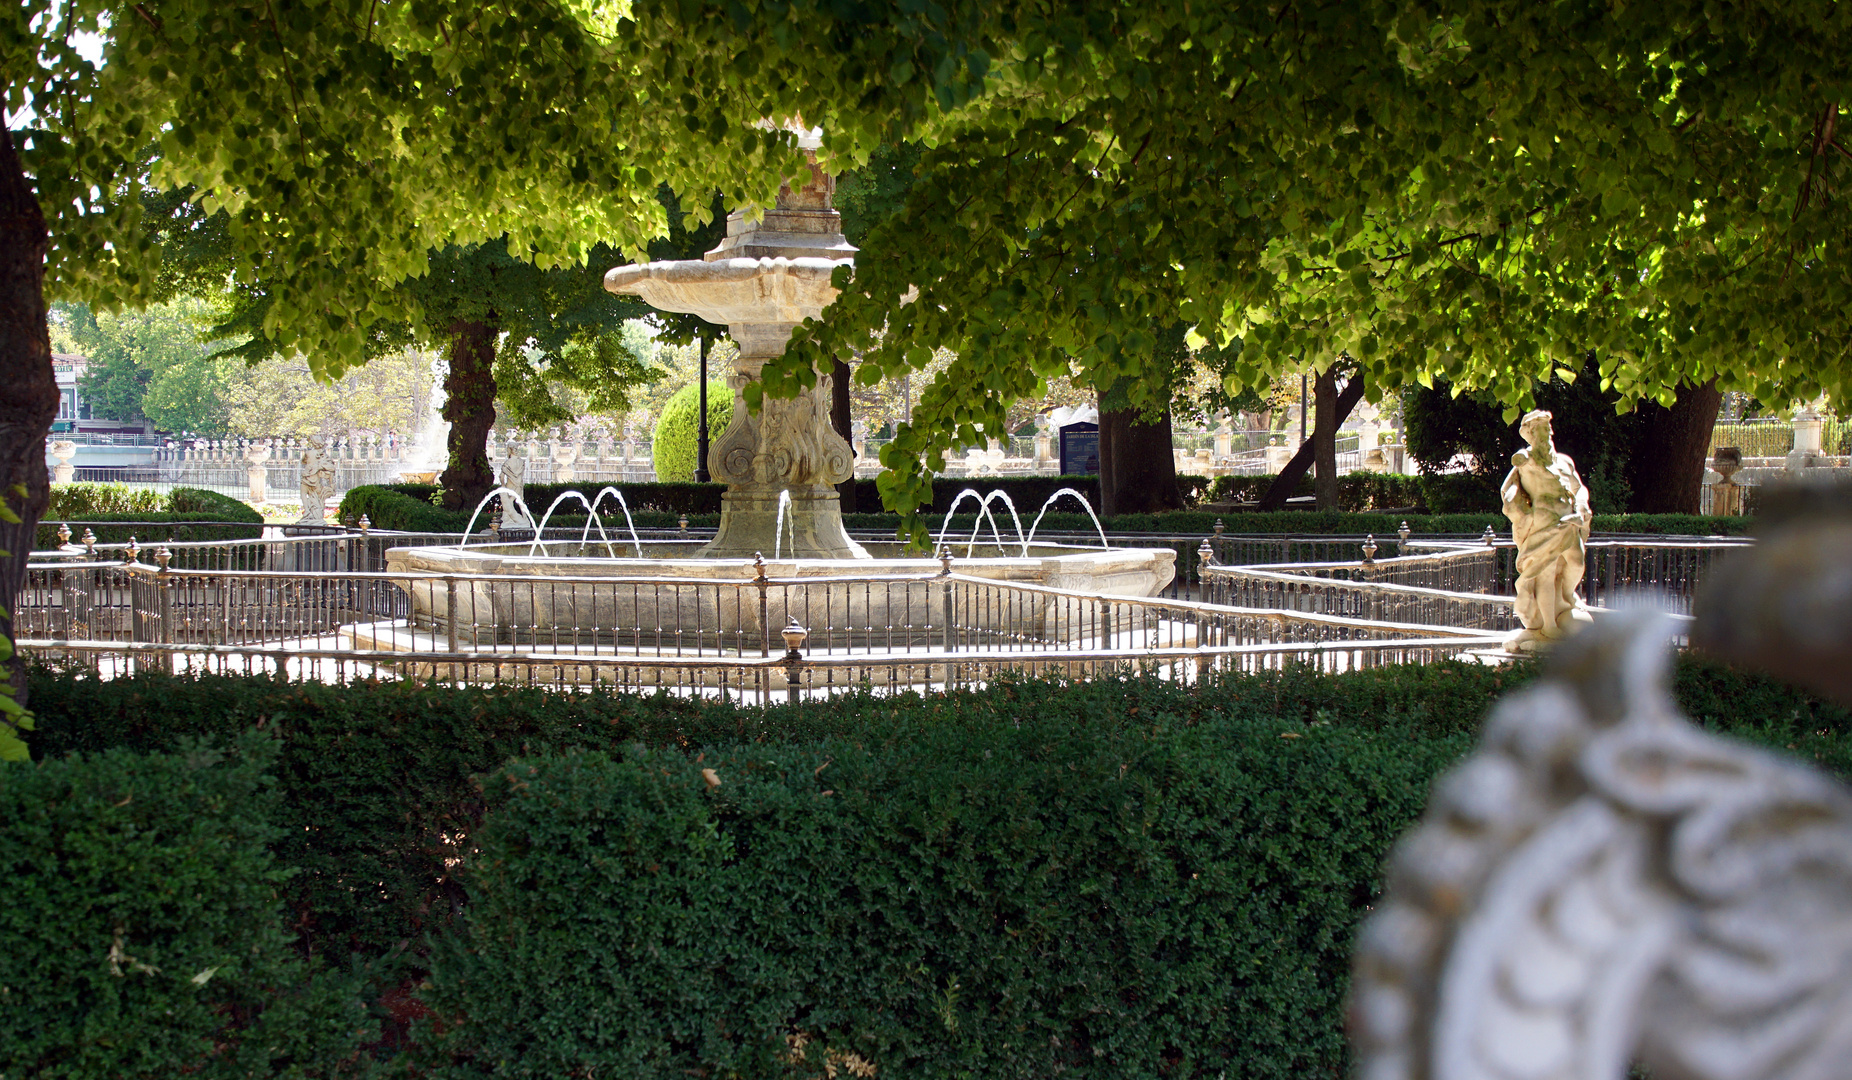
[29, 402]
[1282, 487]
[1138, 472]
[839, 419]
[1325, 437]
[469, 405]
[1111, 424]
[1667, 470]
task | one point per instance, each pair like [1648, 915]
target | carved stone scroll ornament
[1600, 882]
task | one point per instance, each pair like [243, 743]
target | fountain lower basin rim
[776, 290]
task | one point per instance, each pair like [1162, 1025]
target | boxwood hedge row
[141, 934]
[1123, 876]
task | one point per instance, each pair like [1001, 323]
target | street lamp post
[701, 476]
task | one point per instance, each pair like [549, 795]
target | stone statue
[1548, 507]
[511, 473]
[317, 484]
[1603, 882]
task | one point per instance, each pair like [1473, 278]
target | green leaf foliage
[676, 439]
[142, 934]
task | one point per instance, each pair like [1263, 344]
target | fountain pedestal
[762, 280]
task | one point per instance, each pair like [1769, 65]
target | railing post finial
[945, 560]
[89, 542]
[1205, 554]
[64, 534]
[366, 523]
[794, 634]
[682, 524]
[1490, 537]
[132, 551]
[162, 557]
[1401, 539]
[1369, 549]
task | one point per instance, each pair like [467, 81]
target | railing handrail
[774, 662]
[1358, 586]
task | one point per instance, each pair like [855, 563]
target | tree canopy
[1479, 190]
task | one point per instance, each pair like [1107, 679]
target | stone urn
[63, 450]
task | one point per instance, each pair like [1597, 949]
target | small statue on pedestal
[1550, 518]
[317, 485]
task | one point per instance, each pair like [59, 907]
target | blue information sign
[1080, 450]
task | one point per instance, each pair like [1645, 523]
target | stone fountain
[780, 466]
[766, 277]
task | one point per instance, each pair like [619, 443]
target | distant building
[69, 368]
[106, 449]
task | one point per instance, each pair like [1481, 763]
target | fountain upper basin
[733, 291]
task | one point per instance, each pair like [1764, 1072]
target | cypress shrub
[142, 937]
[673, 452]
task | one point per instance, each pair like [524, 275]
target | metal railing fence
[476, 628]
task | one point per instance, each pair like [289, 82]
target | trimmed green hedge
[1172, 896]
[186, 500]
[375, 778]
[389, 507]
[141, 934]
[1157, 887]
[1441, 493]
[1022, 875]
[78, 500]
[182, 514]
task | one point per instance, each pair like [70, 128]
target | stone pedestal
[257, 472]
[63, 450]
[788, 449]
[1277, 457]
[565, 458]
[1806, 454]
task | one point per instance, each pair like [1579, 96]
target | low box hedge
[1127, 876]
[1175, 896]
[1159, 887]
[183, 514]
[141, 934]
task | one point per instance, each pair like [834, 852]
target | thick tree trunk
[1138, 472]
[469, 405]
[1282, 487]
[839, 419]
[1667, 470]
[1109, 491]
[29, 401]
[1325, 438]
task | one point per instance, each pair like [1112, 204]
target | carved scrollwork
[1602, 881]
